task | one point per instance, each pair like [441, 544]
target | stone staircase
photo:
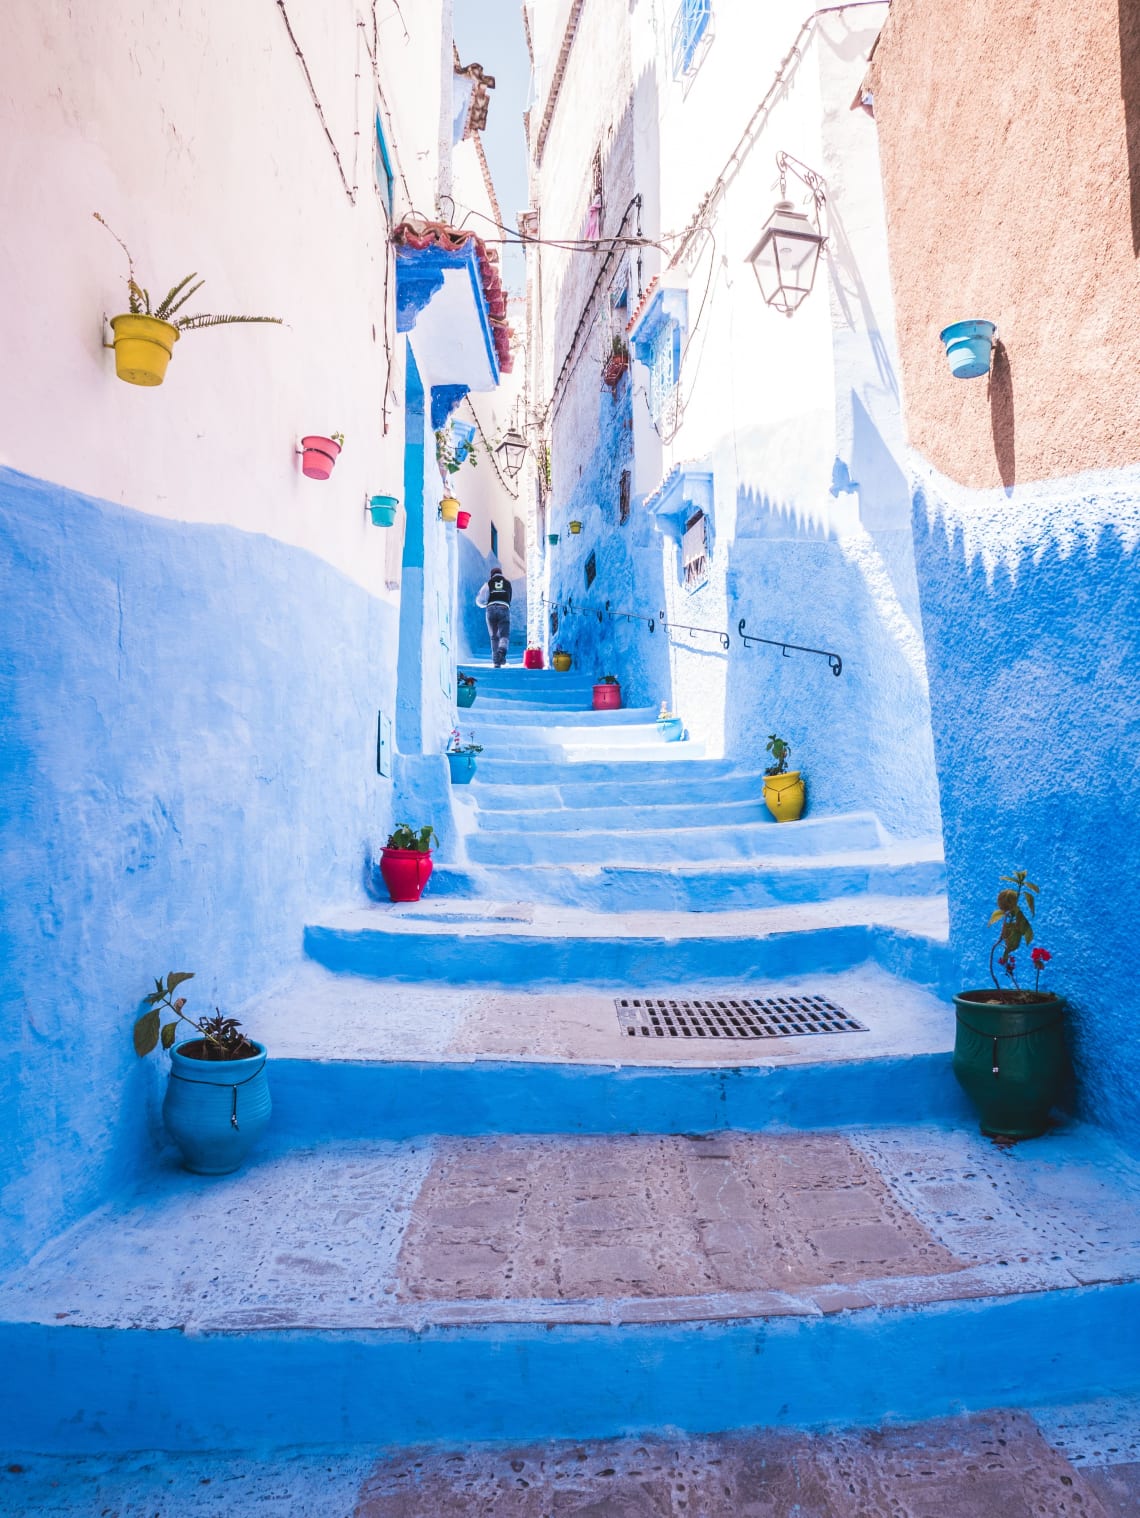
[487, 1211]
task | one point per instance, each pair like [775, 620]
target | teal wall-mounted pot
[968, 347]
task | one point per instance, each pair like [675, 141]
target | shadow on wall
[1032, 682]
[1130, 90]
[863, 739]
[1001, 415]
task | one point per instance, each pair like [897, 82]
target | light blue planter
[670, 728]
[462, 768]
[968, 347]
[383, 510]
[216, 1110]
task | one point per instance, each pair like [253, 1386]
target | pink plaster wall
[1010, 140]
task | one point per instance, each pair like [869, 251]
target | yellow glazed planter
[143, 346]
[449, 508]
[562, 662]
[784, 795]
[575, 528]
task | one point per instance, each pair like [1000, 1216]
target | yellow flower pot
[143, 346]
[575, 528]
[562, 662]
[449, 508]
[784, 796]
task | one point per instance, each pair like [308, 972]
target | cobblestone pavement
[995, 1465]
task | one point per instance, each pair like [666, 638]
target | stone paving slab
[594, 1230]
[320, 1015]
[993, 1465]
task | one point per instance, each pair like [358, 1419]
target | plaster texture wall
[1032, 618]
[188, 769]
[797, 421]
[199, 141]
[1012, 179]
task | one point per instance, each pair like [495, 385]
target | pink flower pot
[532, 658]
[462, 518]
[320, 454]
[405, 872]
[606, 697]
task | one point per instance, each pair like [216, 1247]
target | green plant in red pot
[1009, 1048]
[405, 861]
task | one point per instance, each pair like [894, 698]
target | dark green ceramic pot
[1011, 1061]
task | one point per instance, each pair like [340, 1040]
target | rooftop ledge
[449, 292]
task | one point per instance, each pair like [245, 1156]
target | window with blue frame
[662, 369]
[494, 541]
[384, 175]
[689, 25]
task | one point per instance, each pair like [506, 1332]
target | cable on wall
[350, 191]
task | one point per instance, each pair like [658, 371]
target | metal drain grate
[744, 1017]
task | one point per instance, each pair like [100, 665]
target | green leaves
[404, 837]
[174, 298]
[175, 978]
[169, 1033]
[146, 1032]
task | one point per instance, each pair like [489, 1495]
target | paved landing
[596, 1230]
[320, 1015]
[993, 1465]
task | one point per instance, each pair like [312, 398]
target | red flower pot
[462, 518]
[320, 455]
[532, 658]
[405, 872]
[606, 697]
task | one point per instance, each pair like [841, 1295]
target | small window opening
[591, 570]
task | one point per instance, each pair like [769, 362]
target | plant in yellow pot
[145, 335]
[783, 788]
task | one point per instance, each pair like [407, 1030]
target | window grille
[591, 570]
[662, 369]
[689, 25]
[695, 551]
[623, 498]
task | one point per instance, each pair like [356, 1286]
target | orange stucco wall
[1010, 140]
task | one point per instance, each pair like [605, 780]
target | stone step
[1083, 1458]
[715, 887]
[665, 810]
[637, 745]
[659, 761]
[447, 1290]
[535, 945]
[514, 719]
[563, 789]
[646, 844]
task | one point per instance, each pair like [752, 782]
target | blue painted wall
[187, 770]
[1031, 606]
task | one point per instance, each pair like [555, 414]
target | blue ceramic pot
[465, 695]
[216, 1109]
[968, 347]
[383, 510]
[462, 768]
[670, 728]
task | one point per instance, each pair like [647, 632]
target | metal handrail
[713, 632]
[833, 660]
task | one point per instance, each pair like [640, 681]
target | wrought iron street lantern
[511, 451]
[786, 257]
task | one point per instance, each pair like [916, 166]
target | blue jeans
[499, 628]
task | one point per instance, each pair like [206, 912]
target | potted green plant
[783, 788]
[405, 861]
[466, 689]
[451, 453]
[607, 694]
[617, 362]
[1009, 1044]
[320, 454]
[461, 757]
[217, 1098]
[144, 335]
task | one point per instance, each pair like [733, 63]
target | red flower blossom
[1041, 957]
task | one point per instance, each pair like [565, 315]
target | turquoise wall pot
[462, 768]
[216, 1110]
[968, 347]
[465, 695]
[670, 728]
[383, 510]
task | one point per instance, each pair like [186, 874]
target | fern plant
[139, 301]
